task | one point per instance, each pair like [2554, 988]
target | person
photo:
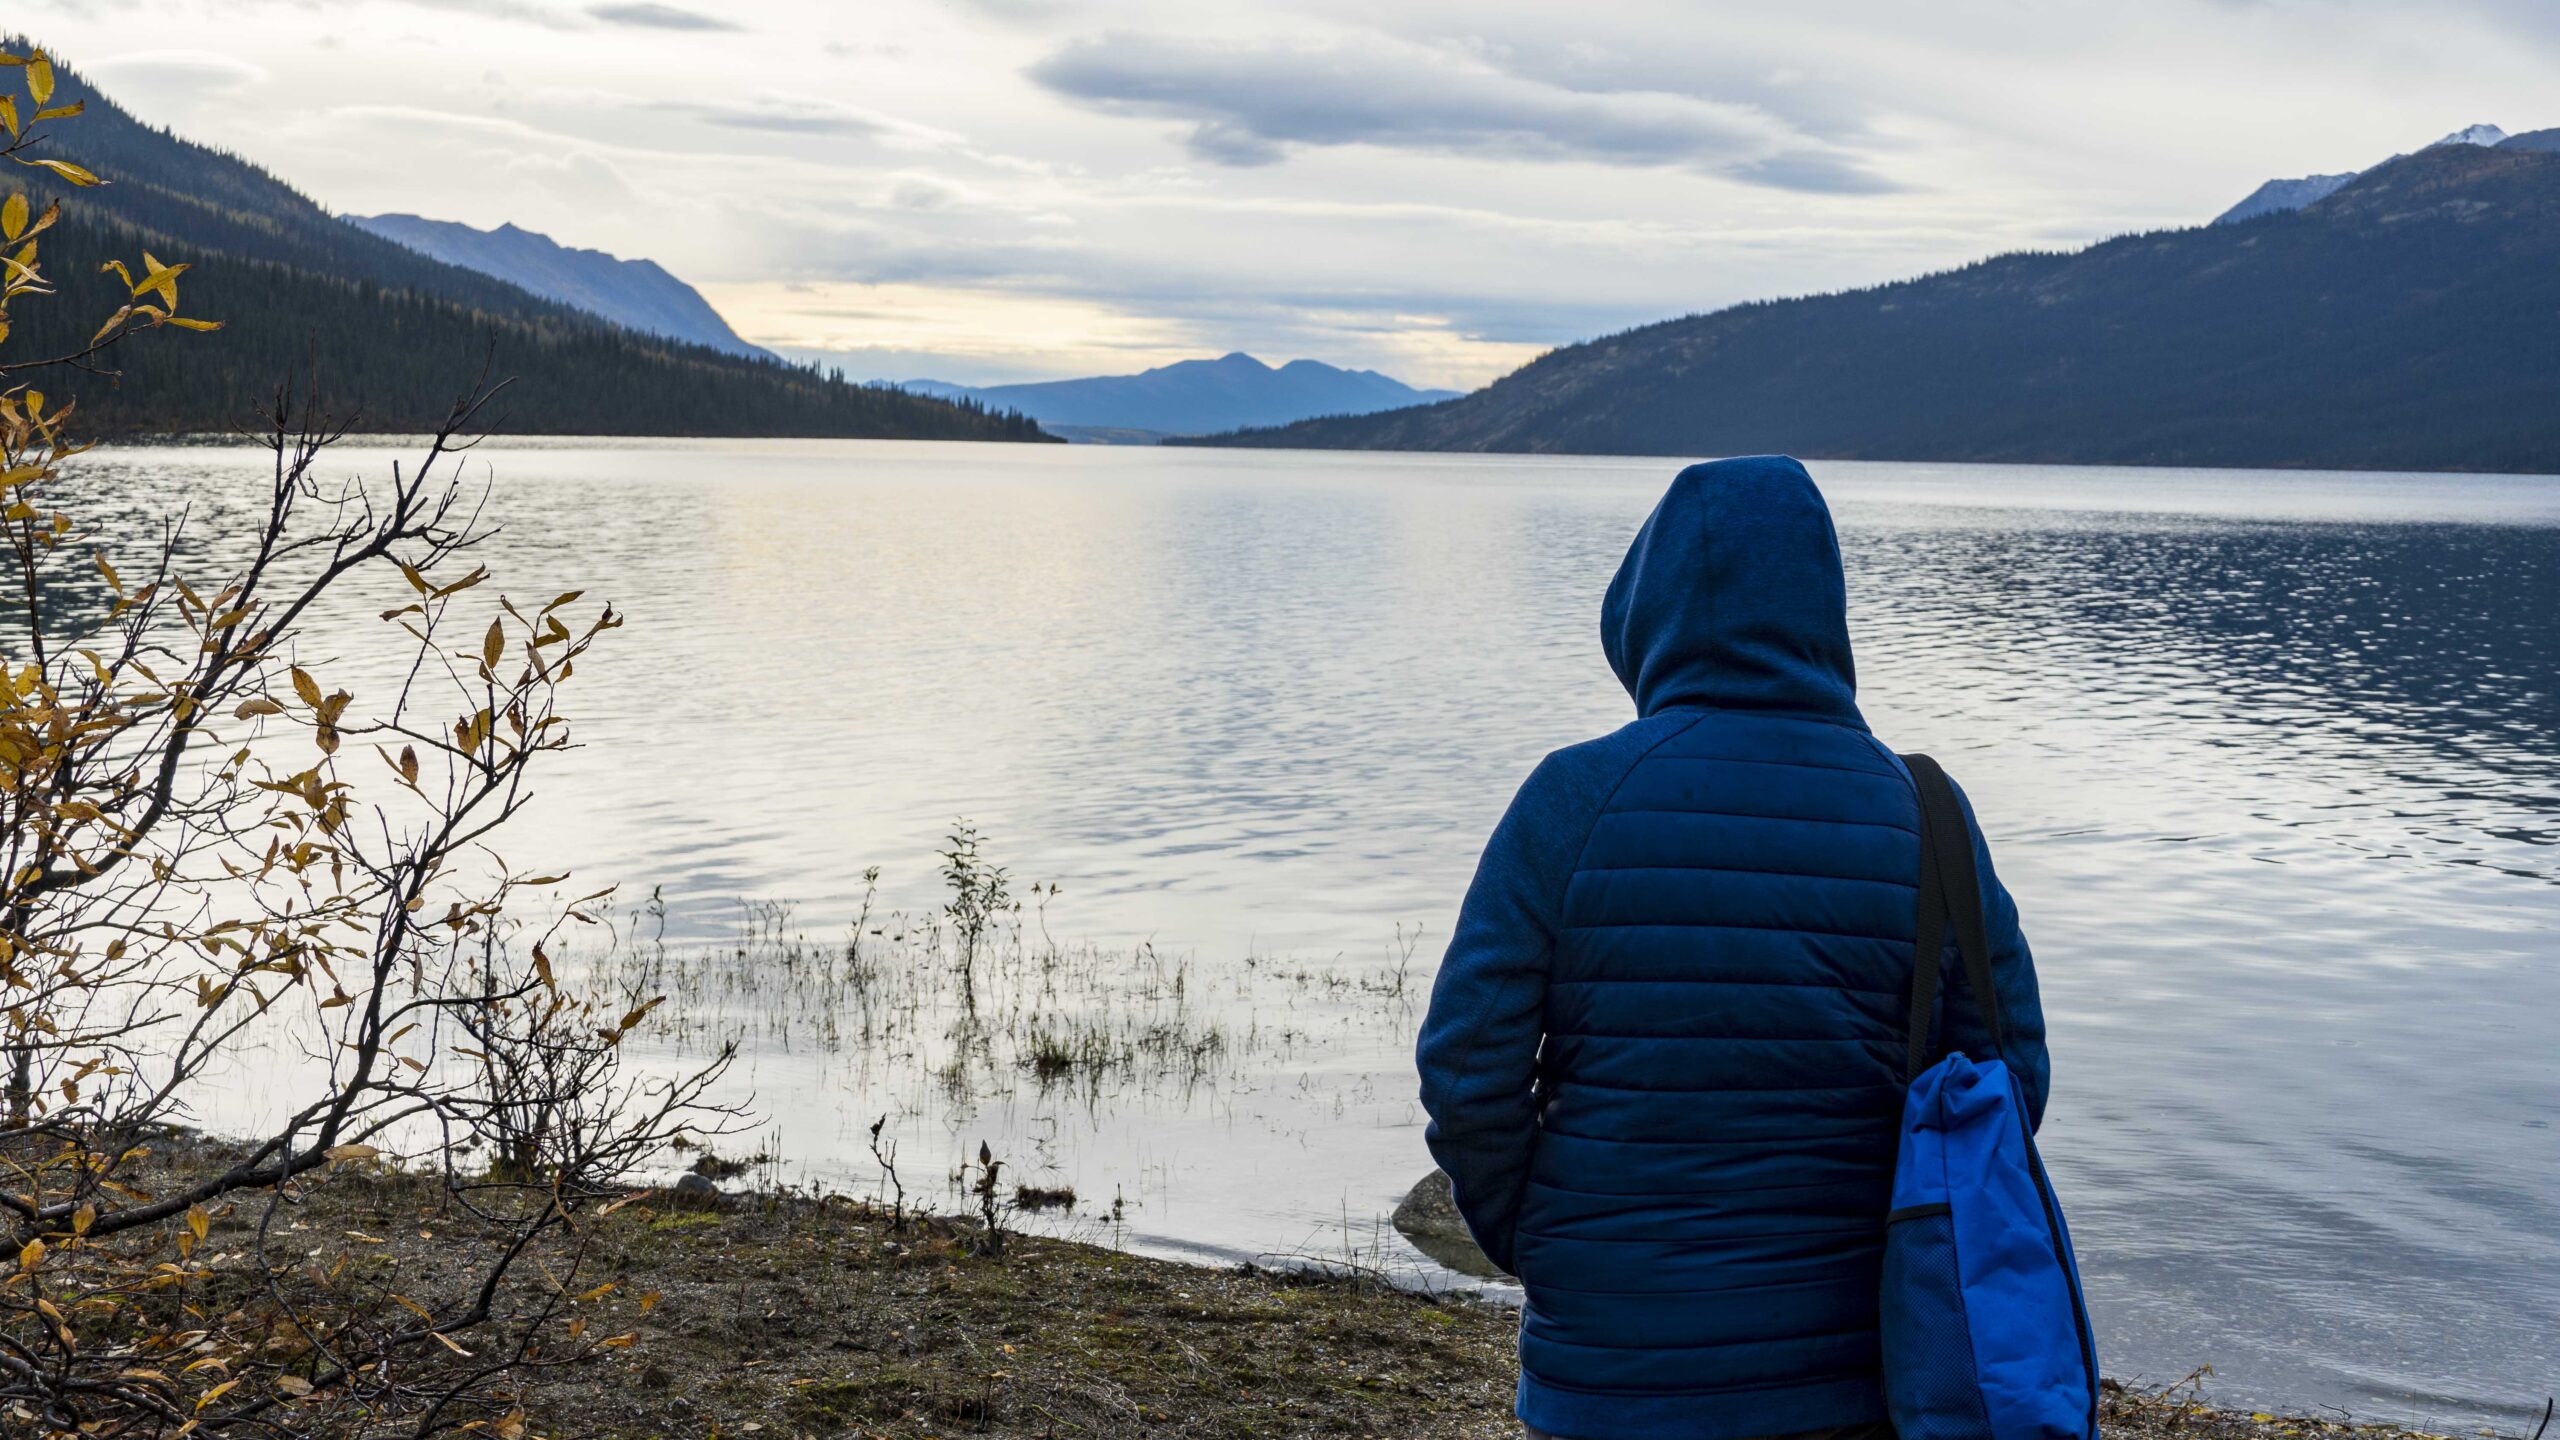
[1664, 1057]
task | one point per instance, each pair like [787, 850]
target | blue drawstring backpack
[1985, 1333]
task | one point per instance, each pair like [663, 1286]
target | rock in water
[1428, 1216]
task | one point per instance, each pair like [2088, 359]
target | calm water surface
[2271, 761]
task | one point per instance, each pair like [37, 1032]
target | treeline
[385, 330]
[397, 357]
[2406, 322]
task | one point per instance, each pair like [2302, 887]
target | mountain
[635, 294]
[2284, 195]
[2294, 194]
[2475, 135]
[386, 331]
[1193, 397]
[2404, 322]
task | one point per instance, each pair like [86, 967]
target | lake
[2270, 760]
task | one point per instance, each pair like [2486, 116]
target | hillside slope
[2406, 321]
[634, 294]
[386, 329]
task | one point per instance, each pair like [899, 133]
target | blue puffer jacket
[1664, 1055]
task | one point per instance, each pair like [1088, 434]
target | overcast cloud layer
[987, 190]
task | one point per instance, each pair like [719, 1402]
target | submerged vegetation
[975, 1000]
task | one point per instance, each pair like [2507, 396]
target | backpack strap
[1950, 897]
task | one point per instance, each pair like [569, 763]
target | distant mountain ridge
[388, 334]
[2311, 189]
[1193, 397]
[635, 294]
[2403, 322]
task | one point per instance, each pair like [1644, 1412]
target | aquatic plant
[978, 891]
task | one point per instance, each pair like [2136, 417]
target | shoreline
[782, 1314]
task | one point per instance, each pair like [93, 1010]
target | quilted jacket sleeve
[2013, 973]
[1478, 1051]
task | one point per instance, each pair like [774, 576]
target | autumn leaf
[64, 168]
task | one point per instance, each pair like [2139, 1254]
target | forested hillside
[387, 329]
[2411, 320]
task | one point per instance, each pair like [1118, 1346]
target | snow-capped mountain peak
[2278, 195]
[2473, 135]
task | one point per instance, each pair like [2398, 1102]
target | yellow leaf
[32, 1256]
[109, 571]
[257, 705]
[62, 112]
[83, 1218]
[113, 321]
[198, 1222]
[39, 77]
[160, 278]
[13, 216]
[493, 646]
[447, 1342]
[414, 1308]
[63, 168]
[306, 687]
[184, 322]
[9, 113]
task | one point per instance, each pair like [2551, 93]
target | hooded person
[1664, 1055]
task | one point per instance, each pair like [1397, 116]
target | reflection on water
[2272, 762]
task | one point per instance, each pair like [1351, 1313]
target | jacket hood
[1731, 597]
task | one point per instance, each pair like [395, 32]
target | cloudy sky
[986, 190]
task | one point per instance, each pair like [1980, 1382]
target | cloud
[1250, 104]
[174, 75]
[580, 176]
[646, 15]
[801, 115]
